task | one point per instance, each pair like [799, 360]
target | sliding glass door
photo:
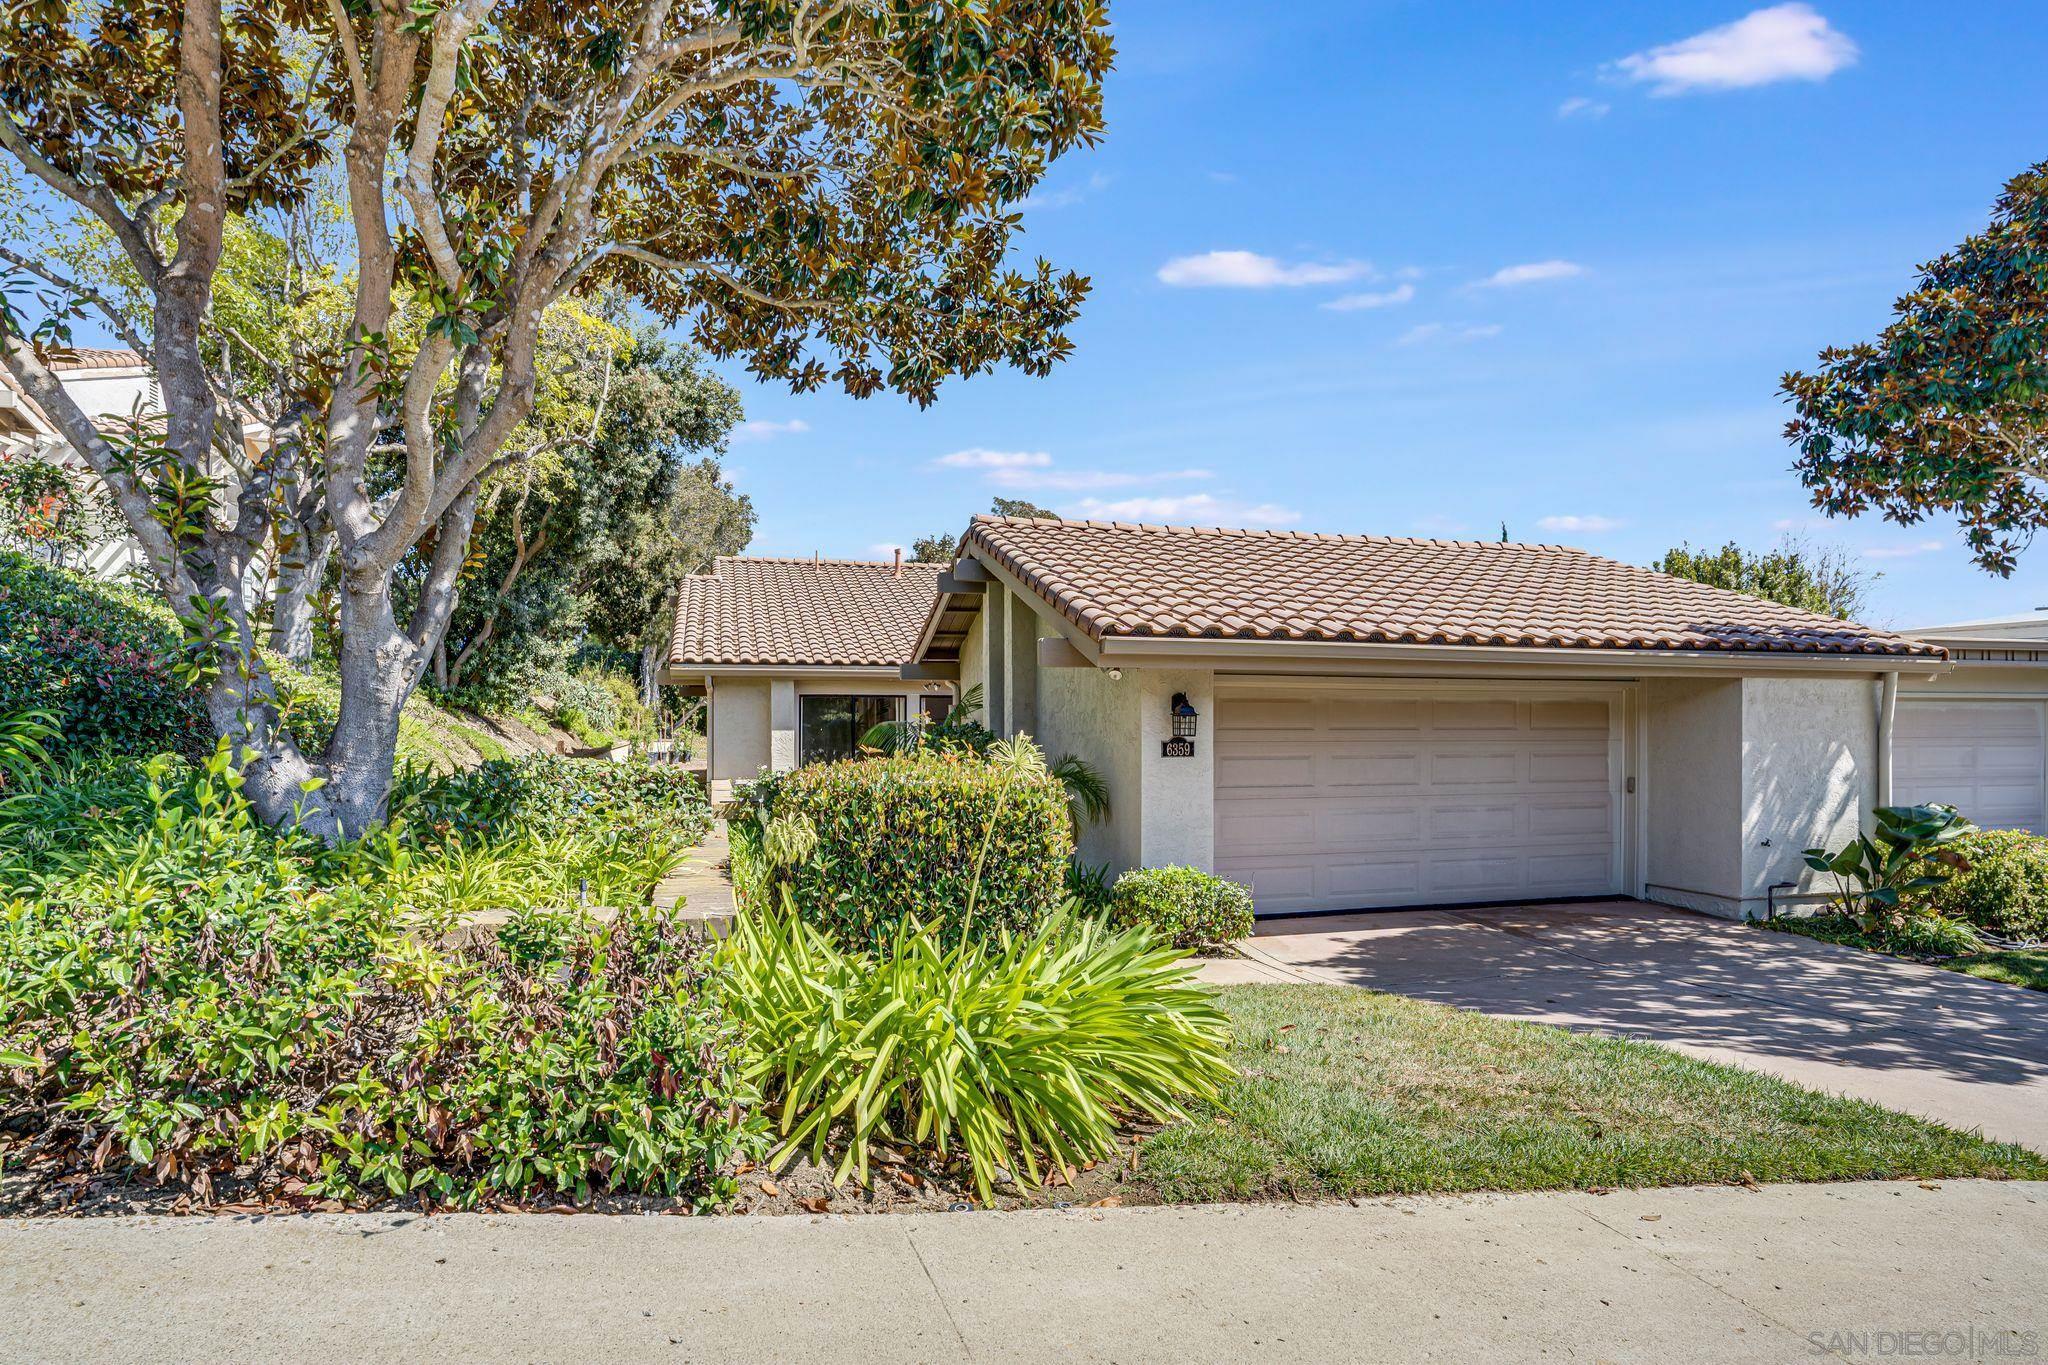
[831, 727]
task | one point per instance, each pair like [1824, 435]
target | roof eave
[1156, 649]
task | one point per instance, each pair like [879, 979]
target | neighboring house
[798, 658]
[108, 386]
[1976, 736]
[1390, 722]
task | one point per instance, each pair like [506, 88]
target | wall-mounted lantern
[1184, 717]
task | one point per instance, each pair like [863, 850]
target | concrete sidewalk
[1672, 1275]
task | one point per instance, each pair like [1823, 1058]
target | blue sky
[1419, 268]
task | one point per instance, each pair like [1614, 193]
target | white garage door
[1988, 759]
[1353, 800]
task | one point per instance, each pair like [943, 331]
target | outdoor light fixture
[1184, 717]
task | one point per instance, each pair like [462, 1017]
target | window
[935, 706]
[830, 728]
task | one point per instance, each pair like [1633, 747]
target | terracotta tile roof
[1116, 579]
[96, 358]
[802, 611]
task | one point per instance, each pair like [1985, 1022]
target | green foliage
[1020, 1054]
[2001, 887]
[1909, 853]
[1916, 935]
[1825, 582]
[1946, 412]
[589, 537]
[1185, 907]
[98, 657]
[186, 991]
[600, 707]
[25, 737]
[53, 513]
[958, 843]
[548, 795]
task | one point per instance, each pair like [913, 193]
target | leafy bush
[1911, 935]
[546, 794]
[598, 706]
[1185, 907]
[193, 994]
[2003, 887]
[954, 842]
[1909, 854]
[99, 658]
[1019, 1054]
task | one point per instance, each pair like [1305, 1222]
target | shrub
[1019, 1054]
[546, 794]
[197, 994]
[1187, 908]
[2004, 888]
[951, 841]
[99, 658]
[598, 706]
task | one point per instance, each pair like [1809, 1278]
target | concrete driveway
[1967, 1052]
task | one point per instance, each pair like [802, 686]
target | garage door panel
[1397, 875]
[1589, 717]
[1472, 822]
[1495, 768]
[1264, 828]
[1451, 717]
[1556, 819]
[1410, 799]
[1564, 769]
[1988, 759]
[1349, 768]
[1237, 768]
[1352, 828]
[1377, 715]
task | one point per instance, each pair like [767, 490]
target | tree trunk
[298, 588]
[380, 667]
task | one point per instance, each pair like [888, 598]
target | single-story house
[1349, 722]
[796, 659]
[1976, 735]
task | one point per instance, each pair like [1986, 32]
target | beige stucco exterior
[751, 717]
[1729, 775]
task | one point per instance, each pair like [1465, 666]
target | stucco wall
[974, 655]
[1083, 713]
[1693, 766]
[1179, 794]
[738, 732]
[1809, 765]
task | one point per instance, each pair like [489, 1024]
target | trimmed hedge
[98, 656]
[1183, 906]
[2005, 890]
[900, 838]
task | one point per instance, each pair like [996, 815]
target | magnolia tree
[825, 188]
[1947, 410]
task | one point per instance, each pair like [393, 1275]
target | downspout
[1887, 712]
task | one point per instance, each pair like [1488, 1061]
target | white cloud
[1580, 524]
[1788, 42]
[1918, 547]
[1388, 298]
[761, 430]
[978, 457]
[1201, 509]
[1248, 270]
[1533, 272]
[1085, 480]
[1578, 106]
[1067, 197]
[1437, 331]
[1223, 177]
[888, 549]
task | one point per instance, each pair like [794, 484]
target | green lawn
[2017, 967]
[1349, 1092]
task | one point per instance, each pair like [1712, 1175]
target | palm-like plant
[24, 741]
